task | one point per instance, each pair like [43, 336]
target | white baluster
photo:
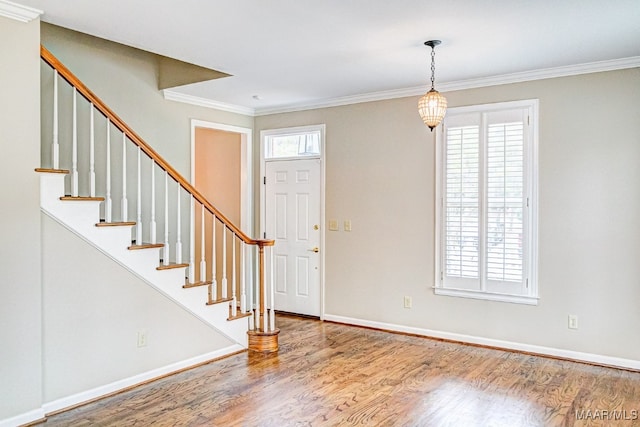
[224, 260]
[55, 146]
[139, 201]
[152, 223]
[203, 261]
[74, 146]
[214, 262]
[234, 304]
[192, 239]
[166, 252]
[270, 287]
[92, 155]
[125, 206]
[243, 274]
[250, 272]
[107, 199]
[256, 293]
[267, 294]
[179, 233]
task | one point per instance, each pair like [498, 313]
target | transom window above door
[291, 145]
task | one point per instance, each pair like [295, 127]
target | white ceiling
[303, 52]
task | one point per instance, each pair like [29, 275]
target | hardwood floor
[327, 374]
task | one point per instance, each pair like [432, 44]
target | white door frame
[283, 131]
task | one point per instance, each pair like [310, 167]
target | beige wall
[20, 294]
[380, 174]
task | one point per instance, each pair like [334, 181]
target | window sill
[515, 299]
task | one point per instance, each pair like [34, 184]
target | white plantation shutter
[486, 182]
[462, 202]
[505, 201]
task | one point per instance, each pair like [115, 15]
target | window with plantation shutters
[486, 231]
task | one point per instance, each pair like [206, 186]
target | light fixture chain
[433, 67]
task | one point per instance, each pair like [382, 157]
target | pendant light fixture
[432, 106]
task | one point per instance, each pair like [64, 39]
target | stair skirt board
[137, 380]
[80, 218]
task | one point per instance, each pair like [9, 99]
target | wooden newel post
[263, 340]
[262, 287]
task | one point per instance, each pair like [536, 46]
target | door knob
[316, 250]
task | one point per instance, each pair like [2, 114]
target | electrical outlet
[142, 338]
[573, 321]
[407, 302]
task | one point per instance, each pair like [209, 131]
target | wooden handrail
[65, 73]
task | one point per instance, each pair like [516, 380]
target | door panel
[292, 208]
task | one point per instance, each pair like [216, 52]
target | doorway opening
[292, 214]
[221, 170]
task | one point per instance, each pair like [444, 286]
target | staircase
[163, 228]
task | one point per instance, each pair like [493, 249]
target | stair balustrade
[107, 159]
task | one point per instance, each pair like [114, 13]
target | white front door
[293, 220]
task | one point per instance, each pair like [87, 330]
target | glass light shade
[432, 108]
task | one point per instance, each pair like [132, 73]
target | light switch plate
[347, 225]
[333, 224]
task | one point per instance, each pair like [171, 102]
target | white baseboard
[26, 418]
[527, 348]
[85, 396]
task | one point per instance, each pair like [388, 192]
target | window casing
[487, 200]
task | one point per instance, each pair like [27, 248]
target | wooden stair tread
[239, 315]
[145, 246]
[196, 284]
[172, 265]
[219, 300]
[82, 199]
[115, 224]
[47, 170]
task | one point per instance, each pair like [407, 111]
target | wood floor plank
[327, 374]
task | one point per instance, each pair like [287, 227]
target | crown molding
[18, 12]
[343, 100]
[548, 73]
[207, 103]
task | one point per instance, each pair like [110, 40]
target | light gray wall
[381, 174]
[93, 311]
[20, 295]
